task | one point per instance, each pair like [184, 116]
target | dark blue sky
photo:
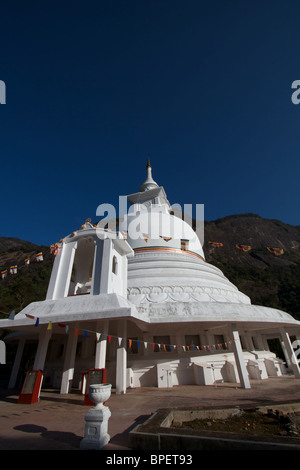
[94, 88]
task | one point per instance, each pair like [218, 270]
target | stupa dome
[169, 263]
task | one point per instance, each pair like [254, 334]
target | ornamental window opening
[162, 344]
[192, 341]
[133, 345]
[115, 265]
[82, 270]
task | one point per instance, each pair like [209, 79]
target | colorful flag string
[137, 342]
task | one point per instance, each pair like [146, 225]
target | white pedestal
[96, 419]
[95, 432]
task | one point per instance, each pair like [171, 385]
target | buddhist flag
[27, 261]
[166, 239]
[119, 341]
[244, 247]
[184, 244]
[130, 343]
[49, 325]
[215, 244]
[85, 334]
[275, 251]
[4, 274]
[29, 316]
[37, 322]
[39, 257]
[13, 269]
[145, 237]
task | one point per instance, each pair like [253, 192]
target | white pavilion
[148, 308]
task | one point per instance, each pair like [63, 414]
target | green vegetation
[275, 286]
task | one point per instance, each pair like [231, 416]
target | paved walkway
[57, 422]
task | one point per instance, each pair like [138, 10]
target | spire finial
[149, 183]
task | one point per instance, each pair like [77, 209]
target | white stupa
[149, 309]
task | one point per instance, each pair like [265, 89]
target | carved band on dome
[166, 249]
[139, 295]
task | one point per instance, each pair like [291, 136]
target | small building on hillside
[142, 303]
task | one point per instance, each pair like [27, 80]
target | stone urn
[96, 420]
[99, 393]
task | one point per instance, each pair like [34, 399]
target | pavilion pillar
[290, 353]
[68, 368]
[147, 348]
[17, 362]
[239, 358]
[59, 284]
[121, 359]
[260, 342]
[40, 356]
[101, 345]
[248, 341]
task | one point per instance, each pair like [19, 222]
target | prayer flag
[275, 251]
[166, 239]
[184, 244]
[39, 257]
[244, 247]
[215, 243]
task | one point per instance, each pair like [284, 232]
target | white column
[248, 341]
[293, 362]
[96, 276]
[239, 358]
[17, 362]
[54, 273]
[101, 345]
[68, 369]
[260, 342]
[149, 348]
[121, 359]
[41, 352]
[106, 267]
[64, 271]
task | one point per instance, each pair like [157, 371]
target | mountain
[269, 280]
[31, 281]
